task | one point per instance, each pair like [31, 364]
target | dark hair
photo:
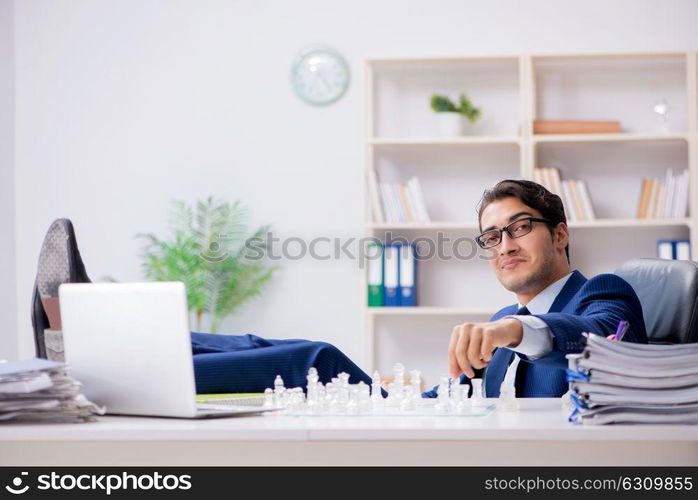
[531, 194]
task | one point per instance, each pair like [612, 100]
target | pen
[620, 331]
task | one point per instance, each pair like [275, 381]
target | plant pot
[450, 124]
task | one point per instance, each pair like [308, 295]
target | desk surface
[539, 420]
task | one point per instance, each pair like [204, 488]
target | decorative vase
[450, 124]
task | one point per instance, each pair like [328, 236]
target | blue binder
[408, 276]
[391, 275]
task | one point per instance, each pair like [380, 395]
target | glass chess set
[340, 398]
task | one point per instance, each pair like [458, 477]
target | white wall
[8, 275]
[122, 106]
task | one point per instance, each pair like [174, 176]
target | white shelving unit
[401, 141]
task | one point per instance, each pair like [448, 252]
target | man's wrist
[515, 330]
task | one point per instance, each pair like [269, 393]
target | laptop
[130, 347]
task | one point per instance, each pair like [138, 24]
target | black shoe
[59, 262]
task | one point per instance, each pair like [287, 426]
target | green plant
[443, 104]
[211, 251]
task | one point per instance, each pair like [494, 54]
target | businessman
[525, 237]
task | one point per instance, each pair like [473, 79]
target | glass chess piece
[268, 398]
[478, 400]
[507, 398]
[443, 395]
[416, 385]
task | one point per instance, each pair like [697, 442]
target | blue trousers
[248, 363]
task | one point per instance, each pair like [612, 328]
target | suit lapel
[568, 291]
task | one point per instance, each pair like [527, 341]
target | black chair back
[668, 293]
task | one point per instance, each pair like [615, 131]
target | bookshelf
[401, 141]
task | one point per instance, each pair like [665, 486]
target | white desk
[537, 435]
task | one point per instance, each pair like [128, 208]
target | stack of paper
[624, 382]
[38, 389]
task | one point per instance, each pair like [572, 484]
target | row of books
[674, 249]
[392, 275]
[573, 193]
[667, 199]
[397, 201]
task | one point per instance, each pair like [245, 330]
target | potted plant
[212, 251]
[451, 116]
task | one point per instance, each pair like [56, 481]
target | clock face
[320, 76]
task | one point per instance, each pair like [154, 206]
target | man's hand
[472, 344]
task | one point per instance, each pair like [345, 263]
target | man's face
[520, 264]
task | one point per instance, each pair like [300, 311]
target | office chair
[668, 293]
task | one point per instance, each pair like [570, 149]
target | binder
[683, 250]
[374, 270]
[407, 280]
[391, 270]
[666, 249]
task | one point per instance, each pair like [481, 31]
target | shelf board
[427, 142]
[430, 311]
[623, 137]
[423, 225]
[597, 223]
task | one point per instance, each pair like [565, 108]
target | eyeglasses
[516, 229]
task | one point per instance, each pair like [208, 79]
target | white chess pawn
[399, 375]
[477, 399]
[376, 394]
[268, 397]
[364, 398]
[279, 390]
[443, 396]
[507, 398]
[416, 383]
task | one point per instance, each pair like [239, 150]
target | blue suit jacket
[595, 305]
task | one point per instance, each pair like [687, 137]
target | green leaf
[209, 251]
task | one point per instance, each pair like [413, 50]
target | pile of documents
[41, 390]
[624, 382]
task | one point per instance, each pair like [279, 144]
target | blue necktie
[497, 369]
[523, 366]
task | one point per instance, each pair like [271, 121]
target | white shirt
[537, 339]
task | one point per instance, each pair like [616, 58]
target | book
[404, 202]
[586, 200]
[650, 198]
[575, 127]
[395, 198]
[576, 199]
[669, 197]
[374, 192]
[644, 198]
[572, 212]
[661, 194]
[416, 194]
[388, 207]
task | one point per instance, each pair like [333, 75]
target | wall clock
[320, 76]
